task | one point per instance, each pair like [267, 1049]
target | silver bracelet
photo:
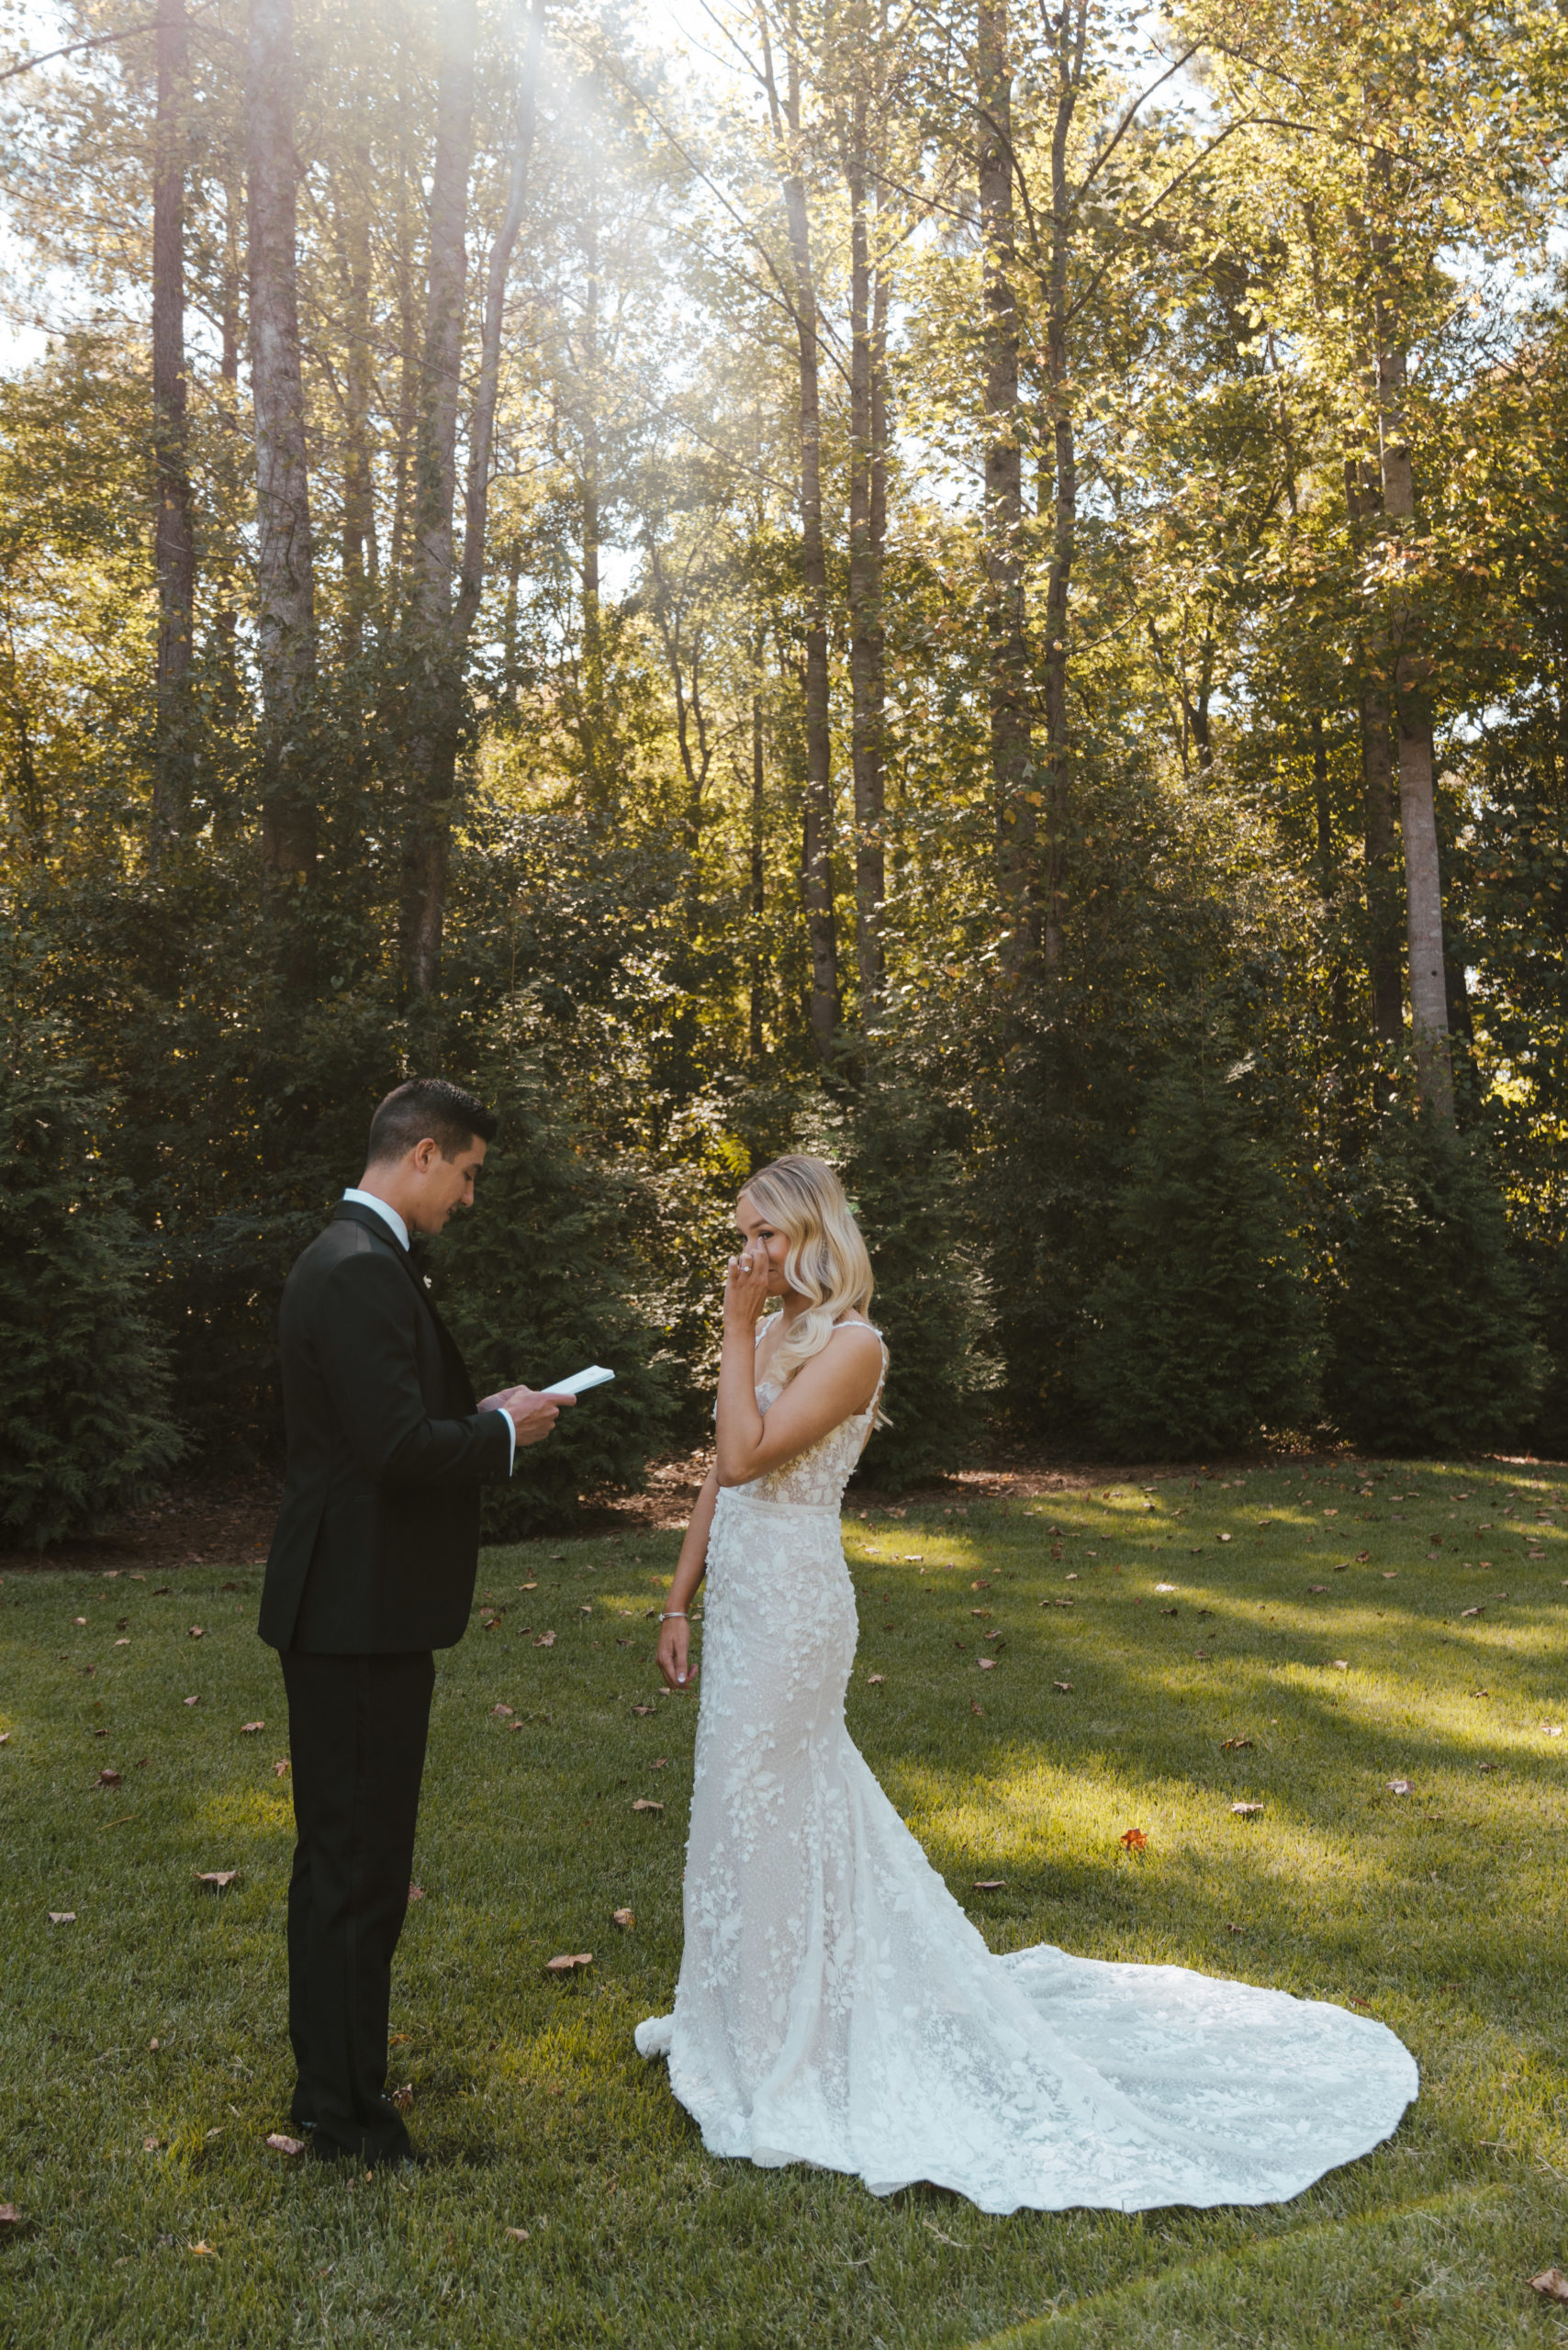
[669, 1613]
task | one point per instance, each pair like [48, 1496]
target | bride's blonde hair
[826, 1260]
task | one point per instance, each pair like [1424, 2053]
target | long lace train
[836, 2007]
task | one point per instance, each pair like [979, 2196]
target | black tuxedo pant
[356, 1734]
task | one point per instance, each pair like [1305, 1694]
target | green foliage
[1202, 1330]
[895, 1149]
[536, 1283]
[84, 1429]
[1429, 1321]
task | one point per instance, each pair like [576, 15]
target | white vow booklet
[595, 1376]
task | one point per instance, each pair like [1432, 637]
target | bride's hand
[746, 1279]
[674, 1653]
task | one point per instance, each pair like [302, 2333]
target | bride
[835, 2004]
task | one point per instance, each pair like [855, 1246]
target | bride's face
[761, 1239]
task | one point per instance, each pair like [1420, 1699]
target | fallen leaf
[1339, 1665]
[204, 2250]
[416, 1893]
[518, 2235]
[986, 1663]
[280, 1769]
[403, 2097]
[502, 1713]
[151, 2145]
[975, 1706]
[646, 1803]
[585, 1610]
[1225, 1538]
[1235, 1744]
[1553, 2283]
[1318, 1586]
[1165, 1586]
[1133, 1840]
[248, 1730]
[991, 1885]
[1361, 1557]
[281, 2144]
[78, 1619]
[1247, 1811]
[193, 1701]
[196, 1633]
[63, 1917]
[624, 1919]
[1065, 1687]
[569, 1963]
[108, 1778]
[1474, 1611]
[1398, 1786]
[983, 1585]
[217, 1879]
[1171, 1611]
[161, 1591]
[545, 1640]
[1552, 1729]
[643, 1710]
[5, 1738]
[1235, 1930]
[1330, 1513]
[875, 1680]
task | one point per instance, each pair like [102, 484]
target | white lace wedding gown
[836, 2007]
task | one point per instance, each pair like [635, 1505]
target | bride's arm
[674, 1653]
[831, 1387]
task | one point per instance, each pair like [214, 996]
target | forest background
[981, 589]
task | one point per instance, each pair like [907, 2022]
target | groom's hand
[532, 1414]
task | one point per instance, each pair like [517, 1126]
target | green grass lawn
[1301, 1664]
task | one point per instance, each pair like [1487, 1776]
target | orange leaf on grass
[569, 1963]
[1133, 1840]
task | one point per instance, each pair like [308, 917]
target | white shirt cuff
[511, 1442]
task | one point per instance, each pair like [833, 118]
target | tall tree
[786, 119]
[286, 609]
[1014, 797]
[174, 540]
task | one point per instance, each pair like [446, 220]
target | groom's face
[443, 1184]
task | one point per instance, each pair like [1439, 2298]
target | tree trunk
[757, 964]
[1070, 33]
[286, 619]
[432, 750]
[1417, 797]
[1364, 499]
[866, 526]
[359, 547]
[174, 542]
[444, 622]
[1014, 791]
[593, 730]
[816, 856]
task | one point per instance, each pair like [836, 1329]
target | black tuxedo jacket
[377, 1542]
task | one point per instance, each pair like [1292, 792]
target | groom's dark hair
[428, 1105]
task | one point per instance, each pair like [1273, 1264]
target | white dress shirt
[400, 1231]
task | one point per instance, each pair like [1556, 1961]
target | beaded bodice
[817, 1477]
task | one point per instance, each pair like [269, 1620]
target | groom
[372, 1566]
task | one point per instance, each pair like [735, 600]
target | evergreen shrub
[537, 1280]
[85, 1424]
[1203, 1330]
[1432, 1342]
[902, 1172]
